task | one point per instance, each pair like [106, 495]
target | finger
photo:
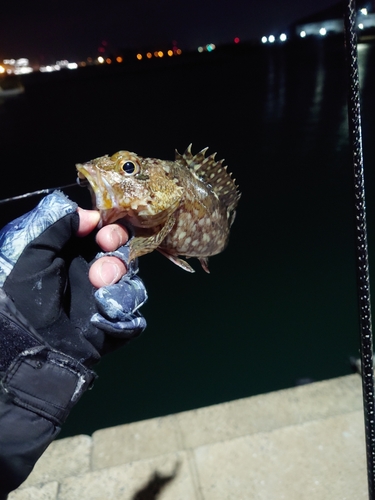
[111, 237]
[106, 271]
[88, 220]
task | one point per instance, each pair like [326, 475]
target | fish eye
[130, 168]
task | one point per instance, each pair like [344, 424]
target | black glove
[56, 324]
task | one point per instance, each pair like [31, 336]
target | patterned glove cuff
[16, 235]
[47, 382]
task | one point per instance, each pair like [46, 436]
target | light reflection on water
[275, 87]
[363, 50]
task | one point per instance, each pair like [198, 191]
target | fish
[182, 208]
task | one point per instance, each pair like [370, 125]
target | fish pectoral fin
[204, 264]
[176, 260]
[140, 245]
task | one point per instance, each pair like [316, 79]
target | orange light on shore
[108, 60]
[178, 51]
[139, 57]
[119, 59]
[148, 55]
[160, 53]
[170, 53]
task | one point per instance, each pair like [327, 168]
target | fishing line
[80, 183]
[363, 277]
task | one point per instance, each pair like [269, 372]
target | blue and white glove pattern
[119, 304]
[15, 236]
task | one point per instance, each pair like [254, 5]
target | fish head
[127, 186]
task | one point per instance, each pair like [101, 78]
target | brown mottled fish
[182, 207]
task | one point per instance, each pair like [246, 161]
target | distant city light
[364, 12]
[23, 70]
[21, 66]
[22, 62]
[17, 66]
[46, 69]
[64, 64]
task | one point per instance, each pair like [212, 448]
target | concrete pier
[303, 443]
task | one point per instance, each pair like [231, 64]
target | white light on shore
[271, 38]
[264, 39]
[283, 37]
[360, 26]
[323, 31]
[302, 34]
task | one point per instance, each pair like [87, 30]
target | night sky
[49, 30]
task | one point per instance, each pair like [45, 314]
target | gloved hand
[50, 314]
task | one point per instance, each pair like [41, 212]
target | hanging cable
[363, 279]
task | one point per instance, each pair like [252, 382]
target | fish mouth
[102, 194]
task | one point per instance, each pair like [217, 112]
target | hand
[106, 270]
[43, 271]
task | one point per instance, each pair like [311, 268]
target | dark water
[280, 302]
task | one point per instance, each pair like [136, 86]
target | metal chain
[363, 278]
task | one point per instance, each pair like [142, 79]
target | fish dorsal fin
[214, 173]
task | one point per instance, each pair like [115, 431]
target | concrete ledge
[126, 443]
[149, 438]
[43, 492]
[270, 411]
[316, 460]
[301, 443]
[63, 458]
[167, 475]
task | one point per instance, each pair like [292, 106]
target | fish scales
[181, 208]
